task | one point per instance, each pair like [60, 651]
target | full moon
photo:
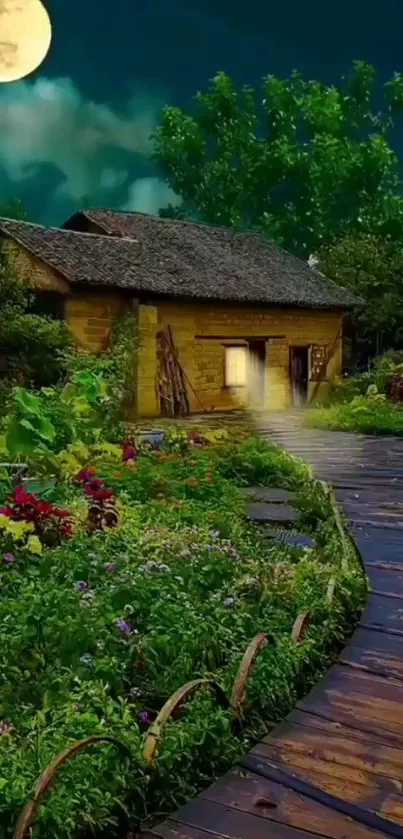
[25, 36]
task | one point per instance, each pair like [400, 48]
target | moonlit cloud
[92, 151]
[148, 195]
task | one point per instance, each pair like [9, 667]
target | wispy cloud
[97, 154]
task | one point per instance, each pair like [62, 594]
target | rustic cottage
[224, 319]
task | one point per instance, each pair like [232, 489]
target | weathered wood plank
[338, 750]
[322, 724]
[234, 824]
[360, 700]
[384, 613]
[247, 792]
[385, 803]
[386, 581]
[379, 652]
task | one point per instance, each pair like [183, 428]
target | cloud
[148, 195]
[97, 154]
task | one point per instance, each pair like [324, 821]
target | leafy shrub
[50, 524]
[33, 345]
[362, 415]
[394, 387]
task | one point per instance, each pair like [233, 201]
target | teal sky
[77, 132]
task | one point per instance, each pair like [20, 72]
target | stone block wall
[200, 333]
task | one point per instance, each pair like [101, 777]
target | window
[235, 366]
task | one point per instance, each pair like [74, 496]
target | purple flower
[144, 717]
[8, 557]
[81, 585]
[124, 627]
[5, 728]
[111, 567]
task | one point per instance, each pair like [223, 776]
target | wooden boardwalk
[334, 767]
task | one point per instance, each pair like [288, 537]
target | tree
[372, 267]
[305, 163]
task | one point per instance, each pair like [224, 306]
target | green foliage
[28, 429]
[41, 424]
[301, 161]
[370, 414]
[372, 267]
[33, 345]
[98, 632]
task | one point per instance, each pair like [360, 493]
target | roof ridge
[62, 230]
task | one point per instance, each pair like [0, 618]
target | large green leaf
[28, 403]
[68, 393]
[20, 440]
[46, 430]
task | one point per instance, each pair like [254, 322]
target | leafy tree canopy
[372, 267]
[300, 161]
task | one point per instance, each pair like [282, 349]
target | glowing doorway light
[236, 365]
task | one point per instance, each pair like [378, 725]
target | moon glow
[25, 37]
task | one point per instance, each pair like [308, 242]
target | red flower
[19, 496]
[45, 517]
[85, 475]
[99, 494]
[6, 511]
[129, 451]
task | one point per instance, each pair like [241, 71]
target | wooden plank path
[334, 767]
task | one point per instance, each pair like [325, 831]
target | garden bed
[141, 572]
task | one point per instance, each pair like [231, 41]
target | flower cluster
[93, 486]
[51, 524]
[129, 451]
[102, 511]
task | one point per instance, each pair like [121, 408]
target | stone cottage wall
[202, 357]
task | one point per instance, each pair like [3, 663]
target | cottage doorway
[256, 373]
[299, 374]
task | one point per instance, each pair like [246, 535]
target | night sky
[77, 132]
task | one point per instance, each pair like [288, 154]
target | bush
[33, 345]
[97, 632]
[362, 415]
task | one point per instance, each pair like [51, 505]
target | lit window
[235, 366]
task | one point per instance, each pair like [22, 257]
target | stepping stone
[272, 513]
[296, 540]
[270, 495]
